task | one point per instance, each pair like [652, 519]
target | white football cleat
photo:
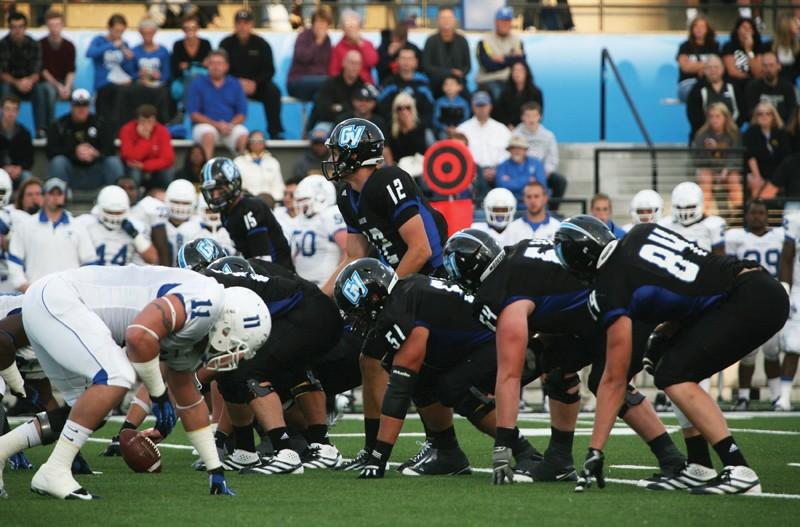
[240, 459]
[693, 475]
[59, 484]
[782, 404]
[732, 480]
[318, 455]
[286, 461]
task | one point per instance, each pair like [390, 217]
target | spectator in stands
[392, 42]
[193, 162]
[311, 161]
[151, 77]
[716, 164]
[21, 67]
[786, 46]
[188, 60]
[767, 144]
[58, 64]
[336, 95]
[487, 138]
[311, 57]
[261, 173]
[364, 101]
[693, 54]
[407, 80]
[29, 196]
[353, 41]
[251, 62]
[446, 52]
[536, 222]
[218, 106]
[542, 145]
[451, 109]
[146, 149]
[519, 169]
[711, 89]
[496, 53]
[600, 207]
[742, 56]
[518, 90]
[771, 88]
[16, 145]
[112, 59]
[80, 147]
[408, 136]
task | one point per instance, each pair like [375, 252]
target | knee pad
[398, 392]
[306, 383]
[474, 405]
[750, 358]
[633, 397]
[51, 423]
[562, 387]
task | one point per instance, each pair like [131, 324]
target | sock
[745, 12]
[243, 435]
[728, 451]
[744, 393]
[521, 444]
[444, 440]
[71, 440]
[220, 438]
[260, 430]
[20, 438]
[317, 434]
[382, 451]
[279, 438]
[697, 451]
[428, 432]
[506, 437]
[371, 427]
[666, 452]
[774, 388]
[786, 389]
[691, 13]
[560, 440]
[127, 425]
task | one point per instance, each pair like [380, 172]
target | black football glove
[128, 228]
[502, 472]
[592, 469]
[656, 346]
[373, 468]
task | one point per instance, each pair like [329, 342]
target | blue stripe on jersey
[651, 303]
[282, 306]
[448, 339]
[256, 230]
[101, 377]
[164, 289]
[434, 239]
[16, 259]
[549, 305]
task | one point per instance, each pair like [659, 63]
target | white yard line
[634, 467]
[794, 465]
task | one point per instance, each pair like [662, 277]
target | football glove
[656, 346]
[218, 486]
[592, 469]
[128, 228]
[502, 472]
[373, 468]
[164, 413]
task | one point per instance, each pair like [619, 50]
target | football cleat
[551, 468]
[318, 455]
[240, 459]
[732, 480]
[741, 405]
[662, 404]
[420, 456]
[357, 463]
[80, 466]
[439, 462]
[286, 461]
[19, 462]
[3, 493]
[782, 404]
[112, 450]
[692, 475]
[59, 484]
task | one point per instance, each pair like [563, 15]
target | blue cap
[504, 13]
[320, 132]
[481, 98]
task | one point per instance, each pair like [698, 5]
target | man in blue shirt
[600, 208]
[519, 169]
[218, 107]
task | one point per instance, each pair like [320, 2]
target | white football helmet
[211, 219]
[646, 207]
[181, 197]
[313, 195]
[6, 187]
[687, 203]
[112, 207]
[499, 205]
[242, 328]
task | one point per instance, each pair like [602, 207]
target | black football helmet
[470, 255]
[579, 244]
[353, 144]
[232, 264]
[220, 173]
[361, 290]
[198, 253]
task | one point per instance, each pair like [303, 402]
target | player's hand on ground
[502, 472]
[164, 414]
[373, 469]
[217, 484]
[592, 470]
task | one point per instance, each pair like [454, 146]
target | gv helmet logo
[350, 135]
[354, 289]
[206, 249]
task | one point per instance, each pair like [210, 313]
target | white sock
[73, 437]
[691, 13]
[20, 438]
[744, 393]
[745, 12]
[786, 390]
[203, 441]
[774, 388]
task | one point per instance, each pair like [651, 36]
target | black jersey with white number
[531, 270]
[438, 305]
[281, 294]
[388, 199]
[656, 275]
[255, 231]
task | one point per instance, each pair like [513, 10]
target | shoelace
[424, 448]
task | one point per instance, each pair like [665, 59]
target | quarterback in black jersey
[252, 226]
[713, 311]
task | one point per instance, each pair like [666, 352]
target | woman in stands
[409, 136]
[188, 59]
[519, 89]
[717, 165]
[193, 165]
[742, 56]
[787, 46]
[766, 144]
[692, 54]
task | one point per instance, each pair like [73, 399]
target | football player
[790, 278]
[115, 235]
[690, 221]
[536, 222]
[646, 207]
[182, 224]
[711, 311]
[6, 223]
[250, 223]
[499, 207]
[152, 213]
[77, 322]
[211, 223]
[285, 214]
[525, 291]
[762, 244]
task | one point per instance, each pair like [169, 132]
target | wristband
[141, 243]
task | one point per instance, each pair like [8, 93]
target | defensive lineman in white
[77, 322]
[690, 221]
[646, 207]
[499, 207]
[790, 277]
[182, 225]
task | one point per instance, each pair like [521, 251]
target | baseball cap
[504, 13]
[517, 141]
[81, 97]
[243, 14]
[320, 133]
[481, 98]
[368, 92]
[55, 183]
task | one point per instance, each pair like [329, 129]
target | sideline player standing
[790, 277]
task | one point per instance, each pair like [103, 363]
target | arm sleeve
[178, 55]
[25, 153]
[241, 101]
[369, 55]
[98, 46]
[484, 57]
[86, 251]
[166, 73]
[195, 100]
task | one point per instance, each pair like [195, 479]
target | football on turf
[139, 451]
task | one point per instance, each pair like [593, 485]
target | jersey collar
[535, 225]
[64, 218]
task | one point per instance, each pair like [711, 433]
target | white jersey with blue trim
[150, 211]
[485, 227]
[284, 219]
[708, 233]
[315, 253]
[524, 229]
[113, 246]
[118, 294]
[179, 236]
[765, 249]
[7, 217]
